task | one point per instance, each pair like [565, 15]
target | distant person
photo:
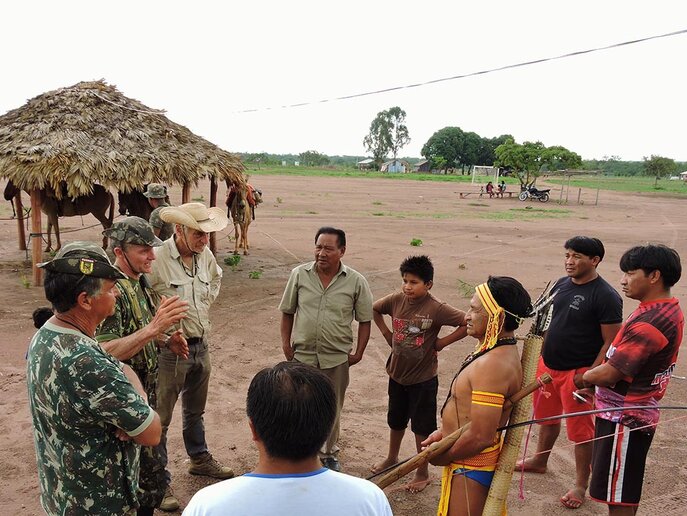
[489, 376]
[89, 410]
[416, 319]
[40, 316]
[291, 408]
[636, 371]
[157, 198]
[318, 306]
[586, 315]
[490, 189]
[502, 188]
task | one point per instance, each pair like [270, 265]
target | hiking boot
[331, 463]
[206, 465]
[169, 502]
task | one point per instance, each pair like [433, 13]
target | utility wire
[471, 74]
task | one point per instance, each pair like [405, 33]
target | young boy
[417, 317]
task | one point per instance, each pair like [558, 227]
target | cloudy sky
[206, 62]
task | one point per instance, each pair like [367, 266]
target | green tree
[447, 146]
[659, 167]
[313, 158]
[528, 160]
[388, 134]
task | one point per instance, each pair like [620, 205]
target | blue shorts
[481, 477]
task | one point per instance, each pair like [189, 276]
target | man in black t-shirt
[587, 313]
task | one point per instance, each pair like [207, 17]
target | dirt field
[467, 239]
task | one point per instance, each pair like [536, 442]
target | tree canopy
[313, 158]
[529, 159]
[659, 166]
[451, 147]
[388, 134]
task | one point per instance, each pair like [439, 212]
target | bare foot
[530, 466]
[418, 483]
[386, 463]
[574, 498]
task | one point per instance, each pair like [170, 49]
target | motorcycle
[531, 192]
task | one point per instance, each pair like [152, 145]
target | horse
[136, 203]
[95, 203]
[241, 213]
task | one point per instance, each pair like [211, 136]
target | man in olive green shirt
[319, 304]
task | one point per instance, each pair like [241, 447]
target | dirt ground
[467, 239]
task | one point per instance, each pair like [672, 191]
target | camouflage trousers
[152, 482]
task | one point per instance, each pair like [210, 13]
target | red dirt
[380, 218]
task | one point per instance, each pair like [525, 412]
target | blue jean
[190, 378]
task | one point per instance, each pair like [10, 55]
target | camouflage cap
[83, 258]
[133, 230]
[156, 191]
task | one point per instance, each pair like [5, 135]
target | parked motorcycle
[531, 192]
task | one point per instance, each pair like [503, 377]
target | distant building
[395, 166]
[366, 164]
[683, 175]
[423, 166]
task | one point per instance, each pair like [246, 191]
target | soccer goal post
[484, 171]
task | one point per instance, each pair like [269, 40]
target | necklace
[65, 321]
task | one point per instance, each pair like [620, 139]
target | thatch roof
[90, 133]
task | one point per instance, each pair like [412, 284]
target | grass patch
[480, 204]
[255, 274]
[377, 203]
[416, 242]
[466, 290]
[526, 214]
[635, 184]
[309, 212]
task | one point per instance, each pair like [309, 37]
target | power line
[471, 74]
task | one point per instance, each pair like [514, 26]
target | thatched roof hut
[91, 132]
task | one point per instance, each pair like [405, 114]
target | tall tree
[659, 167]
[446, 145]
[529, 159]
[313, 159]
[388, 134]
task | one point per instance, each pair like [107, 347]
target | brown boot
[169, 502]
[206, 465]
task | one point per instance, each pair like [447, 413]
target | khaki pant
[339, 377]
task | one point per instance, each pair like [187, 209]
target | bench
[509, 193]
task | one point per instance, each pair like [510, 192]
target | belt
[193, 341]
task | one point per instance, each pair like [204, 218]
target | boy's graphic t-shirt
[645, 351]
[415, 326]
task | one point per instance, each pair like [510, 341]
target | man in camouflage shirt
[157, 197]
[89, 410]
[136, 330]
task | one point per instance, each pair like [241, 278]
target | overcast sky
[204, 62]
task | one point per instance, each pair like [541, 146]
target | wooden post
[579, 195]
[596, 202]
[186, 193]
[36, 240]
[213, 202]
[20, 221]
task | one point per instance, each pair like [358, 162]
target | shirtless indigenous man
[487, 377]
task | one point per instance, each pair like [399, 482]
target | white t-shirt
[321, 492]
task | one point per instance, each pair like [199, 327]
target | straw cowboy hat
[196, 215]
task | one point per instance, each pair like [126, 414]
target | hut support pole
[36, 240]
[19, 208]
[186, 193]
[213, 202]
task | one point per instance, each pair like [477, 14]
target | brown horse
[136, 203]
[95, 203]
[241, 214]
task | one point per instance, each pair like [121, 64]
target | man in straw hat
[291, 408]
[157, 198]
[136, 331]
[89, 410]
[487, 378]
[186, 267]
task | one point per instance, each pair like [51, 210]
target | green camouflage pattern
[156, 191]
[133, 311]
[133, 230]
[78, 397]
[82, 258]
[166, 228]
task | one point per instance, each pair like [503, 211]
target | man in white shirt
[291, 409]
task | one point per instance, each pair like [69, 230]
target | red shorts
[560, 400]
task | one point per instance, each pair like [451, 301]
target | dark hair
[292, 407]
[62, 290]
[41, 315]
[512, 296]
[654, 257]
[587, 246]
[327, 230]
[420, 266]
